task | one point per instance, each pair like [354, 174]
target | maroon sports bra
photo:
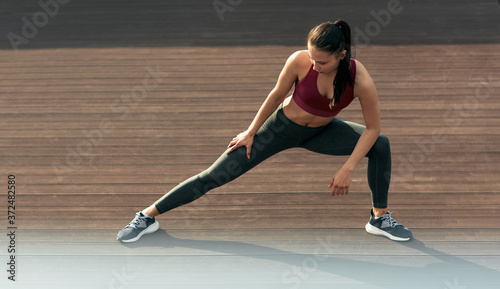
[307, 96]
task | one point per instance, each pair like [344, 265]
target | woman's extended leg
[272, 138]
[275, 135]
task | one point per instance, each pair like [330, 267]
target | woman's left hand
[243, 139]
[341, 182]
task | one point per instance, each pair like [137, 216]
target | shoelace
[136, 222]
[389, 221]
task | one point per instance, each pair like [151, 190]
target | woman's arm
[286, 79]
[366, 91]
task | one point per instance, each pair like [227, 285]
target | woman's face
[323, 61]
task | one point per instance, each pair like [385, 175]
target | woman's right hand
[243, 139]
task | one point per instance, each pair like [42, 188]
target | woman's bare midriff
[301, 117]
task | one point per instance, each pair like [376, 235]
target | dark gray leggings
[279, 133]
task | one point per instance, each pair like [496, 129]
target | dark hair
[334, 38]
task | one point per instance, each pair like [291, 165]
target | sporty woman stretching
[326, 80]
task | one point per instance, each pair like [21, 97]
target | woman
[307, 119]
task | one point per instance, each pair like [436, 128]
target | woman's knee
[381, 147]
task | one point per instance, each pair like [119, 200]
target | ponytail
[335, 38]
[343, 76]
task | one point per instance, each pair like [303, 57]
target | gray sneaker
[140, 225]
[388, 227]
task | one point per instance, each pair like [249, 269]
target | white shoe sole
[151, 229]
[376, 231]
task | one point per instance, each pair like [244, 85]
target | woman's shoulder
[360, 67]
[299, 60]
[300, 56]
[361, 72]
[364, 81]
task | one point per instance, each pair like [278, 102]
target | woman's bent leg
[340, 138]
[379, 171]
